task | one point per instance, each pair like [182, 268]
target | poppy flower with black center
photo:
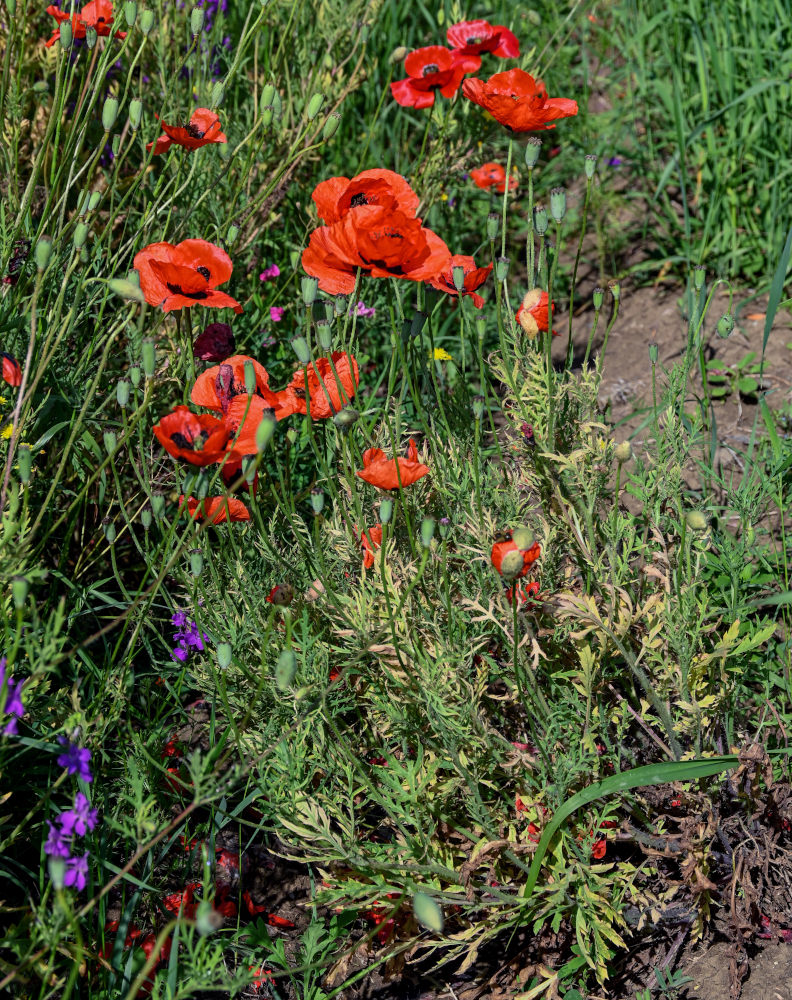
[330, 386]
[429, 69]
[371, 540]
[474, 278]
[473, 38]
[186, 274]
[377, 240]
[216, 343]
[12, 373]
[518, 101]
[216, 510]
[338, 195]
[534, 314]
[199, 439]
[202, 129]
[522, 595]
[98, 15]
[514, 553]
[220, 385]
[493, 175]
[391, 473]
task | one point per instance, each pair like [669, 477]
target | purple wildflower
[276, 313]
[187, 637]
[80, 818]
[76, 760]
[56, 846]
[270, 273]
[13, 699]
[76, 872]
[615, 161]
[361, 309]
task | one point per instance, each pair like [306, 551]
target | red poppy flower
[97, 14]
[493, 175]
[281, 595]
[371, 540]
[199, 439]
[184, 275]
[220, 385]
[474, 278]
[330, 386]
[534, 315]
[12, 373]
[215, 509]
[216, 343]
[183, 902]
[243, 416]
[338, 195]
[429, 69]
[518, 101]
[378, 240]
[202, 129]
[261, 976]
[390, 473]
[503, 548]
[522, 594]
[473, 38]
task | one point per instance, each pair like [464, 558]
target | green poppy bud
[130, 12]
[558, 204]
[67, 35]
[324, 334]
[523, 538]
[94, 200]
[267, 115]
[158, 505]
[277, 104]
[386, 511]
[493, 224]
[597, 296]
[148, 357]
[331, 124]
[135, 113]
[725, 325]
[398, 55]
[317, 500]
[80, 235]
[196, 562]
[11, 5]
[501, 268]
[224, 654]
[285, 670]
[481, 325]
[25, 462]
[653, 353]
[109, 530]
[314, 106]
[146, 518]
[146, 21]
[300, 345]
[417, 323]
[110, 441]
[346, 418]
[532, 149]
[340, 305]
[428, 913]
[478, 407]
[294, 259]
[427, 531]
[126, 289]
[233, 232]
[540, 219]
[511, 564]
[310, 287]
[19, 592]
[250, 378]
[699, 276]
[696, 520]
[265, 430]
[622, 452]
[134, 374]
[84, 255]
[589, 165]
[458, 274]
[115, 144]
[42, 253]
[615, 288]
[197, 16]
[267, 95]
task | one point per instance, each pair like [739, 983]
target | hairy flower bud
[696, 520]
[250, 378]
[80, 235]
[224, 654]
[589, 165]
[135, 113]
[386, 511]
[285, 670]
[109, 530]
[25, 462]
[478, 407]
[42, 253]
[197, 16]
[314, 106]
[196, 562]
[622, 452]
[148, 357]
[725, 325]
[331, 124]
[398, 55]
[109, 113]
[523, 538]
[19, 592]
[558, 204]
[346, 418]
[110, 441]
[540, 219]
[265, 430]
[493, 224]
[300, 345]
[511, 564]
[427, 531]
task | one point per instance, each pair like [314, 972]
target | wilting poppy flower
[429, 69]
[390, 473]
[518, 101]
[12, 373]
[474, 278]
[338, 195]
[199, 439]
[493, 175]
[220, 385]
[98, 15]
[184, 275]
[378, 240]
[216, 343]
[522, 594]
[215, 509]
[281, 595]
[534, 314]
[330, 386]
[202, 128]
[371, 539]
[517, 565]
[473, 38]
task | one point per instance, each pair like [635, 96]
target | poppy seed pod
[134, 374]
[19, 592]
[314, 106]
[653, 353]
[331, 124]
[501, 268]
[696, 520]
[523, 538]
[197, 15]
[481, 326]
[110, 441]
[589, 165]
[699, 275]
[224, 654]
[512, 564]
[146, 518]
[66, 35]
[324, 333]
[25, 462]
[478, 407]
[540, 219]
[91, 35]
[597, 296]
[346, 418]
[146, 21]
[386, 511]
[250, 378]
[300, 345]
[458, 276]
[427, 531]
[317, 501]
[428, 913]
[109, 113]
[80, 235]
[340, 304]
[309, 286]
[277, 104]
[615, 289]
[285, 670]
[558, 204]
[135, 113]
[109, 530]
[265, 430]
[130, 12]
[158, 505]
[622, 452]
[196, 562]
[725, 325]
[42, 253]
[56, 866]
[493, 224]
[532, 149]
[148, 357]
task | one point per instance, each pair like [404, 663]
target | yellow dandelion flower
[441, 355]
[443, 196]
[7, 431]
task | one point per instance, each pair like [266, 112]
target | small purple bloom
[13, 699]
[76, 760]
[269, 273]
[615, 161]
[76, 872]
[179, 619]
[276, 313]
[80, 818]
[180, 653]
[56, 846]
[361, 309]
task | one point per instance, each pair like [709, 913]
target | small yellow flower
[7, 431]
[441, 355]
[2, 401]
[443, 196]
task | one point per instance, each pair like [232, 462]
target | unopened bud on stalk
[265, 430]
[725, 325]
[346, 418]
[25, 462]
[11, 5]
[110, 441]
[42, 253]
[540, 219]
[615, 288]
[314, 106]
[331, 124]
[115, 144]
[122, 393]
[250, 378]
[267, 95]
[146, 518]
[699, 276]
[233, 232]
[589, 165]
[458, 274]
[197, 16]
[294, 259]
[80, 235]
[398, 55]
[146, 21]
[417, 323]
[109, 530]
[19, 592]
[511, 564]
[300, 345]
[558, 204]
[277, 104]
[478, 403]
[317, 500]
[218, 94]
[501, 268]
[130, 12]
[82, 204]
[427, 531]
[532, 149]
[196, 562]
[267, 114]
[91, 36]
[622, 452]
[148, 357]
[493, 224]
[285, 670]
[158, 505]
[134, 374]
[696, 520]
[126, 289]
[94, 201]
[481, 326]
[67, 35]
[309, 287]
[135, 113]
[386, 511]
[224, 654]
[597, 296]
[654, 353]
[324, 333]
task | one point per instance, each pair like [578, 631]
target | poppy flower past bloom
[216, 343]
[216, 510]
[474, 278]
[518, 101]
[378, 240]
[371, 540]
[202, 129]
[534, 314]
[220, 385]
[473, 38]
[330, 385]
[429, 69]
[337, 196]
[186, 274]
[522, 595]
[493, 175]
[199, 439]
[391, 473]
[514, 553]
[97, 15]
[12, 373]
